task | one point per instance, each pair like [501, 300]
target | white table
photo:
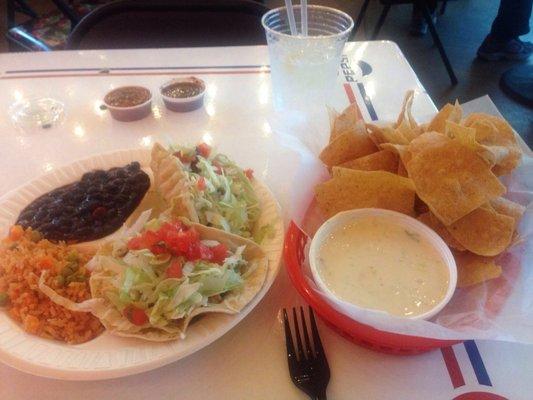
[249, 362]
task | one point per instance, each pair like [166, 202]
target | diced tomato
[45, 263]
[151, 238]
[220, 252]
[171, 238]
[137, 316]
[199, 251]
[175, 269]
[158, 249]
[136, 243]
[184, 158]
[178, 239]
[16, 232]
[203, 149]
[249, 173]
[176, 242]
[201, 183]
[146, 241]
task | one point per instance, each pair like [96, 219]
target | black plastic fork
[308, 365]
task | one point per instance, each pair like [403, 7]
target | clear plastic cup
[304, 68]
[40, 112]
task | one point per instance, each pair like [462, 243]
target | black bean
[134, 166]
[95, 206]
[99, 174]
[69, 210]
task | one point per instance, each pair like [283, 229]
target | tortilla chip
[387, 134]
[425, 141]
[496, 134]
[491, 130]
[508, 166]
[383, 160]
[408, 132]
[401, 169]
[467, 136]
[405, 113]
[447, 113]
[171, 182]
[473, 269]
[431, 221]
[347, 146]
[344, 122]
[420, 206]
[401, 150]
[375, 134]
[406, 125]
[483, 231]
[395, 135]
[507, 207]
[333, 115]
[350, 189]
[452, 179]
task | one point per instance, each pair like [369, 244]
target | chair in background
[157, 23]
[387, 4]
[48, 31]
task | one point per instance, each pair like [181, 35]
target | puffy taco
[206, 188]
[162, 273]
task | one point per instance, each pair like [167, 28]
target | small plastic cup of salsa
[183, 94]
[129, 103]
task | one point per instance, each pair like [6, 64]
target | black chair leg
[67, 11]
[23, 7]
[381, 21]
[359, 20]
[443, 7]
[436, 40]
[10, 14]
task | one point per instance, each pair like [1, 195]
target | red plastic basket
[364, 335]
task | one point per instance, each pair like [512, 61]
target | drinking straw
[290, 14]
[303, 10]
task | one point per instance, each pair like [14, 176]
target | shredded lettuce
[228, 201]
[139, 278]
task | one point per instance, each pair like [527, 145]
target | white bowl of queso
[382, 260]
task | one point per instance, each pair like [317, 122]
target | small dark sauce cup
[183, 94]
[129, 103]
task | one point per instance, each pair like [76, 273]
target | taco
[154, 280]
[206, 188]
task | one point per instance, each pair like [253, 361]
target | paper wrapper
[498, 309]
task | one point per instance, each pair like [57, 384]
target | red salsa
[127, 96]
[182, 89]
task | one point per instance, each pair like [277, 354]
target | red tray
[361, 334]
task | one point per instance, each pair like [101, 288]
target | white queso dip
[374, 263]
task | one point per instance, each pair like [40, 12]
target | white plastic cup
[346, 217]
[304, 68]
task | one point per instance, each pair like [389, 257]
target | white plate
[110, 356]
